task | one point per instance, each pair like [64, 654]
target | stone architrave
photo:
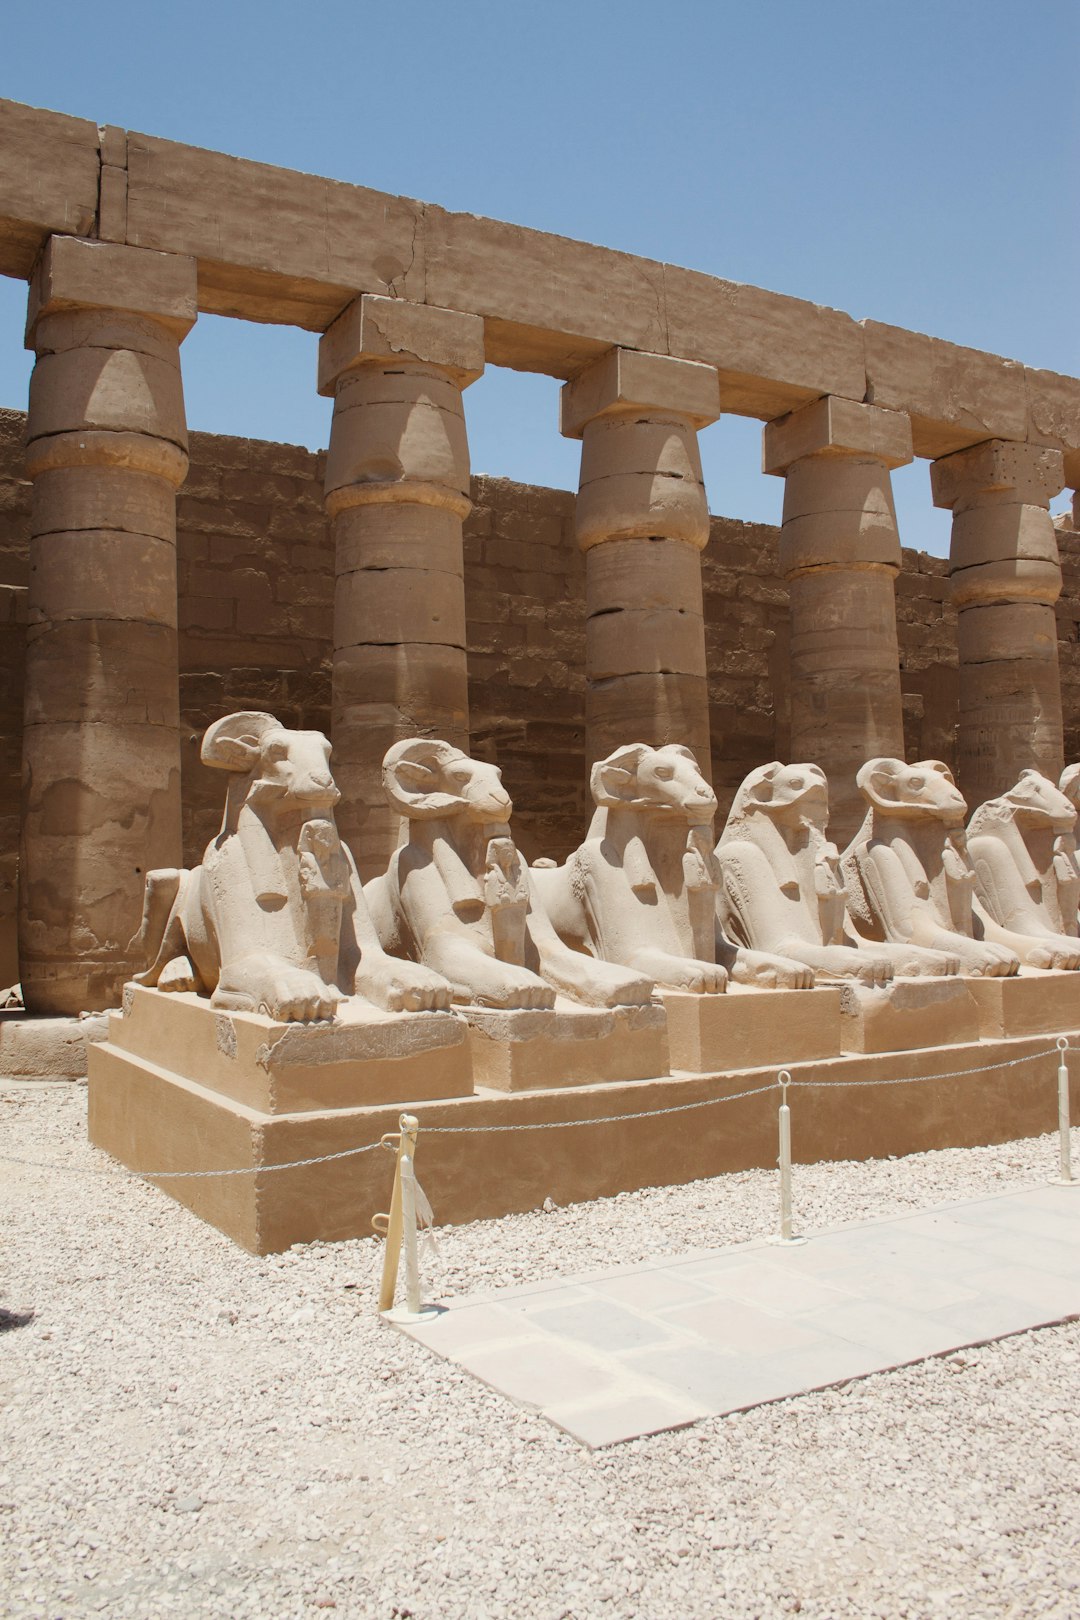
[840, 553]
[397, 490]
[642, 521]
[1006, 577]
[106, 452]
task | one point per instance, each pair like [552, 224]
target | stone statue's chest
[322, 887]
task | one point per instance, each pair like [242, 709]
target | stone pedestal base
[47, 1048]
[363, 1058]
[909, 1015]
[568, 1046]
[747, 1028]
[1033, 1003]
[581, 1142]
[180, 1087]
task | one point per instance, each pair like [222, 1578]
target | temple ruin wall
[256, 580]
[538, 628]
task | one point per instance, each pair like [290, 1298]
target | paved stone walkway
[642, 1348]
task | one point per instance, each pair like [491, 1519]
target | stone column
[1006, 577]
[840, 553]
[642, 521]
[107, 450]
[397, 490]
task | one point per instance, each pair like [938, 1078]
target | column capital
[375, 331]
[623, 381]
[75, 274]
[1030, 472]
[836, 427]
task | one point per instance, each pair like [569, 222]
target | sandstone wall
[256, 583]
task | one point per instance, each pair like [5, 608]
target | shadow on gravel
[14, 1319]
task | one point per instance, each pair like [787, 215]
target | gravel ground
[188, 1430]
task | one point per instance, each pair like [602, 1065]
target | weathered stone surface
[1054, 416]
[626, 381]
[272, 244]
[390, 606]
[103, 574]
[659, 707]
[840, 551]
[389, 330]
[746, 1028]
[570, 1046]
[954, 396]
[636, 641]
[74, 274]
[102, 805]
[549, 304]
[363, 1057]
[74, 498]
[643, 575]
[1006, 579]
[773, 353]
[833, 427]
[1026, 474]
[908, 1015]
[48, 181]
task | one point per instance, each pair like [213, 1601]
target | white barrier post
[1065, 1179]
[400, 1225]
[784, 1161]
[408, 1214]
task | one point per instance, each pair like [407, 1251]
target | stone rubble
[191, 1430]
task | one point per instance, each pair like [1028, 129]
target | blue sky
[914, 163]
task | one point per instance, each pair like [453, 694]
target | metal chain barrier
[553, 1125]
[189, 1175]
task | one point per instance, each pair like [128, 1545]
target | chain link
[919, 1079]
[540, 1125]
[601, 1119]
[190, 1175]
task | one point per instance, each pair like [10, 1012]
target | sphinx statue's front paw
[767, 972]
[294, 995]
[401, 986]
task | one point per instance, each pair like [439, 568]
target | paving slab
[635, 1350]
